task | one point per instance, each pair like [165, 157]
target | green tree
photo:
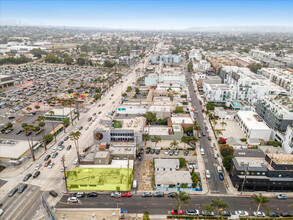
[129, 88]
[52, 123]
[75, 137]
[185, 140]
[29, 109]
[80, 61]
[124, 94]
[182, 198]
[37, 107]
[179, 109]
[227, 162]
[146, 215]
[150, 117]
[51, 58]
[208, 208]
[226, 150]
[190, 67]
[157, 140]
[218, 132]
[219, 204]
[260, 200]
[194, 178]
[182, 162]
[68, 60]
[48, 138]
[223, 123]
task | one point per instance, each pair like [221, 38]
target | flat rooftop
[252, 120]
[181, 120]
[60, 111]
[13, 149]
[157, 130]
[114, 164]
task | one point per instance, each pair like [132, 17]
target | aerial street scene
[146, 109]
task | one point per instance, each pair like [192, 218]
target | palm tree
[75, 136]
[145, 137]
[208, 208]
[42, 124]
[28, 128]
[185, 140]
[182, 198]
[65, 123]
[219, 204]
[223, 124]
[218, 132]
[174, 144]
[53, 126]
[69, 103]
[157, 139]
[63, 104]
[260, 200]
[214, 122]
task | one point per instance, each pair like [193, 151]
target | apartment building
[253, 126]
[202, 65]
[276, 111]
[195, 54]
[219, 93]
[287, 144]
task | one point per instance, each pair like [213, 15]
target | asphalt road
[22, 206]
[138, 204]
[215, 184]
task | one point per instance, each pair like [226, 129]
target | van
[202, 151]
[219, 168]
[134, 184]
[47, 163]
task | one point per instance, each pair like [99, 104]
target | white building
[219, 92]
[195, 54]
[288, 140]
[132, 109]
[162, 111]
[166, 164]
[253, 126]
[202, 65]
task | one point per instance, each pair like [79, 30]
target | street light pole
[64, 172]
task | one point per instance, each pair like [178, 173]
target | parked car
[172, 194]
[208, 174]
[221, 176]
[159, 194]
[92, 194]
[203, 133]
[66, 138]
[166, 152]
[54, 149]
[53, 193]
[68, 147]
[158, 151]
[192, 212]
[259, 214]
[226, 213]
[274, 214]
[36, 174]
[72, 200]
[199, 135]
[27, 176]
[61, 147]
[176, 152]
[209, 138]
[205, 213]
[54, 155]
[115, 194]
[241, 213]
[215, 155]
[186, 153]
[126, 194]
[75, 161]
[22, 188]
[60, 143]
[19, 132]
[286, 214]
[12, 192]
[146, 194]
[148, 151]
[176, 212]
[282, 196]
[171, 152]
[79, 194]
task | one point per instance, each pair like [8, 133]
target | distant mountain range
[241, 29]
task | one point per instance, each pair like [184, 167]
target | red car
[126, 194]
[176, 212]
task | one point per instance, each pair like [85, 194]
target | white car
[75, 161]
[167, 152]
[241, 213]
[86, 128]
[208, 174]
[72, 199]
[115, 194]
[62, 169]
[212, 145]
[54, 149]
[259, 214]
[38, 166]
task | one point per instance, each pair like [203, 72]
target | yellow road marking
[26, 204]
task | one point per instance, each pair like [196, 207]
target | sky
[147, 14]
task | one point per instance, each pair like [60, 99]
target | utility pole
[64, 171]
[244, 180]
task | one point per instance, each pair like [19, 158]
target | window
[258, 173]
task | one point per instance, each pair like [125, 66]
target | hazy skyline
[159, 14]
